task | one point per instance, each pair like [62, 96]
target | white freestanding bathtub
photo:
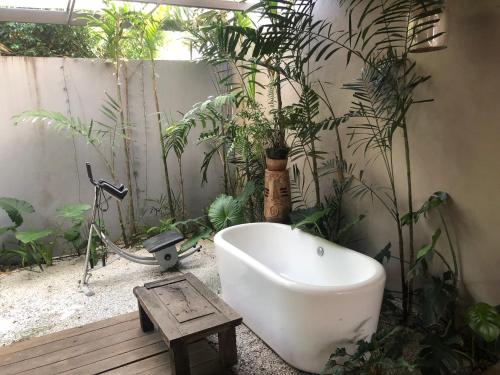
[302, 295]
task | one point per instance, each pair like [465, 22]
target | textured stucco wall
[47, 169]
[454, 144]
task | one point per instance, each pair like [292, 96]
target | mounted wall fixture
[430, 28]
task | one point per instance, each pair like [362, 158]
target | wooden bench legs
[227, 347]
[146, 323]
[185, 311]
[179, 359]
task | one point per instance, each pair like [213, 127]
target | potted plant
[277, 196]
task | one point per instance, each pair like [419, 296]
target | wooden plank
[96, 355]
[200, 353]
[209, 368]
[122, 359]
[138, 367]
[73, 352]
[183, 301]
[36, 341]
[67, 342]
[214, 299]
[204, 361]
[195, 329]
[170, 280]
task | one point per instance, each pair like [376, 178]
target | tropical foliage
[36, 39]
[30, 249]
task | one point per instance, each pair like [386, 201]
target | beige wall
[455, 143]
[47, 169]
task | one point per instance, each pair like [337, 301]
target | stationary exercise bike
[161, 247]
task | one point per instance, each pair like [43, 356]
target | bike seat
[162, 240]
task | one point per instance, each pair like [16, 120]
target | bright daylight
[252, 187]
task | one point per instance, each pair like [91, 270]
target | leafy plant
[149, 30]
[75, 214]
[112, 29]
[484, 320]
[441, 355]
[38, 39]
[14, 208]
[98, 134]
[382, 354]
[384, 95]
[31, 250]
[227, 211]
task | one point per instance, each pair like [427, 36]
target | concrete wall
[47, 169]
[454, 144]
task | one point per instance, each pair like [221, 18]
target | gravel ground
[34, 303]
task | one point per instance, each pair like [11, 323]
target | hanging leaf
[484, 320]
[423, 256]
[15, 208]
[435, 200]
[202, 234]
[385, 253]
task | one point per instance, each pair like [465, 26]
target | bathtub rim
[378, 277]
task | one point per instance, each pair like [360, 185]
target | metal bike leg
[84, 282]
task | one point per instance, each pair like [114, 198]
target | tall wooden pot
[277, 196]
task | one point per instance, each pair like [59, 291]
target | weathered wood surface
[185, 310]
[116, 346]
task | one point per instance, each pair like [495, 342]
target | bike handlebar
[119, 192]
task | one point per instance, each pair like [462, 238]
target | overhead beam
[40, 16]
[207, 4]
[72, 18]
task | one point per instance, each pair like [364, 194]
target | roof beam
[40, 16]
[207, 4]
[69, 17]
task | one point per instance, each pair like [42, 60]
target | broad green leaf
[15, 208]
[72, 233]
[224, 212]
[73, 211]
[27, 237]
[484, 320]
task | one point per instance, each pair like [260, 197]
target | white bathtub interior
[293, 256]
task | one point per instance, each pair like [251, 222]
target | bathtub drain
[320, 251]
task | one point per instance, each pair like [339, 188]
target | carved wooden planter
[277, 196]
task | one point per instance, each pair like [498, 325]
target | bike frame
[112, 247]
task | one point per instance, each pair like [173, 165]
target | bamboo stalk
[162, 142]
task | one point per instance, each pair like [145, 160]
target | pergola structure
[70, 12]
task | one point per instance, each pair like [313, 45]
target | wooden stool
[184, 310]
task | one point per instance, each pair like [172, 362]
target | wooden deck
[112, 346]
